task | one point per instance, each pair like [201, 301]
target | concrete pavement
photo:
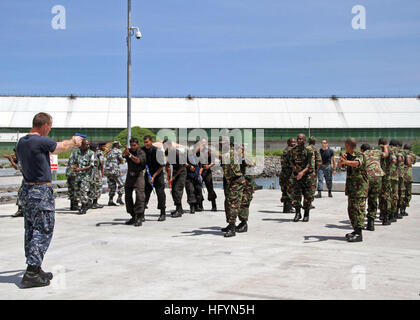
[96, 256]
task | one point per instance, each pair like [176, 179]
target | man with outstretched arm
[37, 197]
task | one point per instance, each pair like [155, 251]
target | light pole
[309, 125]
[130, 33]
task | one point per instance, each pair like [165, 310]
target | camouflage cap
[312, 139]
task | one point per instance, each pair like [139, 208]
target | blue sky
[212, 48]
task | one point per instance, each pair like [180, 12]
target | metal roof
[109, 112]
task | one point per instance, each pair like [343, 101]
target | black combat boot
[143, 219]
[398, 214]
[90, 204]
[111, 202]
[231, 230]
[33, 278]
[287, 207]
[45, 275]
[162, 216]
[348, 235]
[137, 220]
[329, 193]
[371, 224]
[119, 200]
[213, 205]
[392, 217]
[298, 216]
[83, 209]
[385, 220]
[131, 221]
[199, 207]
[242, 227]
[18, 213]
[192, 209]
[356, 236]
[178, 212]
[319, 195]
[306, 216]
[403, 212]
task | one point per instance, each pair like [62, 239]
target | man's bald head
[301, 139]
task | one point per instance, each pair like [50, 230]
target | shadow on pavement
[338, 227]
[323, 238]
[111, 223]
[278, 220]
[202, 231]
[14, 277]
[269, 211]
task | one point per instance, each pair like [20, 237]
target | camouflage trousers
[284, 185]
[314, 179]
[248, 194]
[408, 188]
[38, 209]
[394, 195]
[96, 185]
[18, 201]
[385, 199]
[356, 210]
[401, 193]
[114, 181]
[375, 187]
[299, 188]
[82, 188]
[71, 187]
[234, 190]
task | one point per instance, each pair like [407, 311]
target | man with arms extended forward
[37, 197]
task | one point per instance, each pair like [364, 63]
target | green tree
[416, 147]
[136, 132]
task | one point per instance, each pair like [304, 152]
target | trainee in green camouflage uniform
[357, 186]
[385, 198]
[286, 171]
[375, 173]
[83, 164]
[394, 181]
[303, 163]
[113, 173]
[235, 185]
[71, 181]
[248, 191]
[317, 161]
[408, 177]
[401, 172]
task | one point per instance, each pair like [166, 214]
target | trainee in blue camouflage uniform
[37, 196]
[83, 166]
[96, 177]
[112, 171]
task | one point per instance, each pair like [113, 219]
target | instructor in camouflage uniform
[284, 179]
[302, 161]
[37, 195]
[113, 173]
[357, 186]
[235, 184]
